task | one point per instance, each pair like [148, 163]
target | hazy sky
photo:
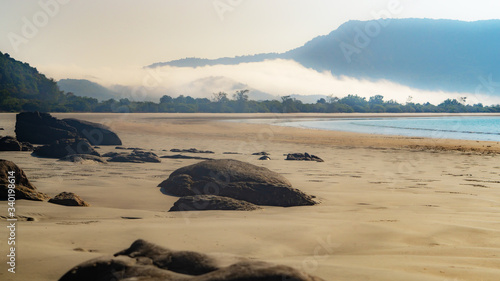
[66, 38]
[118, 33]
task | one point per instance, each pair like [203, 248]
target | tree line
[239, 103]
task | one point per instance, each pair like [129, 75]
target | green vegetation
[23, 88]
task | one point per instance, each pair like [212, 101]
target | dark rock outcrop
[26, 146]
[180, 156]
[147, 261]
[261, 153]
[235, 179]
[113, 154]
[65, 147]
[96, 134]
[9, 143]
[23, 188]
[79, 158]
[211, 202]
[68, 199]
[136, 156]
[303, 157]
[265, 158]
[42, 128]
[191, 150]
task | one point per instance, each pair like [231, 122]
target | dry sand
[392, 208]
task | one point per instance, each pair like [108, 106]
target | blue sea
[485, 128]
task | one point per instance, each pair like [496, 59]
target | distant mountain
[86, 88]
[428, 54]
[194, 62]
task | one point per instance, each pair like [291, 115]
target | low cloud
[275, 77]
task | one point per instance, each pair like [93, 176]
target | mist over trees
[23, 88]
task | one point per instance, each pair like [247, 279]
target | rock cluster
[147, 261]
[191, 150]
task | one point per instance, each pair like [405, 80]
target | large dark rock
[65, 147]
[147, 261]
[9, 143]
[191, 150]
[303, 157]
[96, 134]
[23, 187]
[69, 199]
[211, 202]
[136, 156]
[235, 179]
[42, 128]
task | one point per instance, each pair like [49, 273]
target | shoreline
[190, 124]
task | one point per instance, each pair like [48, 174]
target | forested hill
[23, 88]
[20, 80]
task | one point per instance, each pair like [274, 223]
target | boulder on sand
[263, 153]
[211, 202]
[147, 261]
[235, 179]
[9, 143]
[23, 188]
[136, 156]
[191, 150]
[68, 199]
[42, 128]
[65, 147]
[96, 134]
[303, 157]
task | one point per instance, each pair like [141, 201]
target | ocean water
[484, 128]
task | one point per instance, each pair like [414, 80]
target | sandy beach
[392, 207]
